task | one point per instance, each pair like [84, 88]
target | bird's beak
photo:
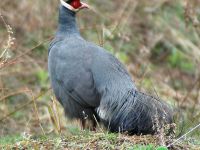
[84, 5]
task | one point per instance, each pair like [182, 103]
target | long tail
[138, 113]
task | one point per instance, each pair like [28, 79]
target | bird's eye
[69, 1]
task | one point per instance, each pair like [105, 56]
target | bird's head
[74, 5]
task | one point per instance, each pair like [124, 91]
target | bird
[92, 84]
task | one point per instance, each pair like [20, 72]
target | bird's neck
[67, 22]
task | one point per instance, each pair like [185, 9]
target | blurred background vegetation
[158, 40]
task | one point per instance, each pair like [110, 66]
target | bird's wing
[82, 91]
[53, 42]
[73, 73]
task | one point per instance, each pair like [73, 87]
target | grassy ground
[77, 139]
[157, 40]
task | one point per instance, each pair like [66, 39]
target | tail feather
[137, 112]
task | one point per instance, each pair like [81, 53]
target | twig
[37, 114]
[184, 135]
[123, 10]
[190, 90]
[25, 105]
[10, 41]
[25, 53]
[13, 94]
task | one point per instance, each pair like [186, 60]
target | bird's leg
[89, 122]
[94, 125]
[91, 125]
[83, 124]
[84, 119]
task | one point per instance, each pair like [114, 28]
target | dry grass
[159, 41]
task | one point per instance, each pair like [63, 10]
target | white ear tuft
[63, 3]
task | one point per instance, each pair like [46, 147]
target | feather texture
[86, 78]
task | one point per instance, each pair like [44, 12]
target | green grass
[82, 139]
[42, 78]
[85, 140]
[10, 140]
[75, 138]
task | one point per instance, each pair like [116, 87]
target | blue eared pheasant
[92, 84]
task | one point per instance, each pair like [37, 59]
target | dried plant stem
[54, 115]
[23, 106]
[178, 140]
[14, 60]
[10, 41]
[190, 91]
[13, 94]
[37, 114]
[121, 15]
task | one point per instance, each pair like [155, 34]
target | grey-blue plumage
[89, 81]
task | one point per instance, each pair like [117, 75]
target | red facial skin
[76, 4]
